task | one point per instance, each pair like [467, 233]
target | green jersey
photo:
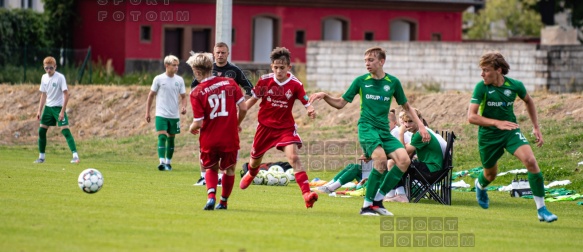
[497, 102]
[375, 98]
[430, 153]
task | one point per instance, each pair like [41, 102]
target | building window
[435, 36]
[265, 37]
[368, 36]
[403, 30]
[145, 33]
[300, 38]
[334, 29]
[232, 36]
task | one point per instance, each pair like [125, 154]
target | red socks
[212, 179]
[302, 180]
[228, 182]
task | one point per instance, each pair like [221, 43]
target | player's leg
[349, 173]
[491, 149]
[173, 129]
[535, 179]
[201, 181]
[42, 143]
[162, 125]
[374, 179]
[47, 119]
[230, 161]
[210, 162]
[397, 193]
[400, 163]
[169, 151]
[263, 141]
[291, 153]
[64, 125]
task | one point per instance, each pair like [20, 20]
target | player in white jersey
[166, 88]
[52, 108]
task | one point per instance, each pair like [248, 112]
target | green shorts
[492, 148]
[50, 117]
[371, 137]
[170, 125]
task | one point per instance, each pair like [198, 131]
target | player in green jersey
[376, 90]
[52, 108]
[492, 108]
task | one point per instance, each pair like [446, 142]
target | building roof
[432, 5]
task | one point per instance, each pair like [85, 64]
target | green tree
[22, 32]
[503, 19]
[61, 16]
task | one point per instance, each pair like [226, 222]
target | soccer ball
[259, 178]
[283, 179]
[290, 175]
[271, 179]
[90, 180]
[276, 169]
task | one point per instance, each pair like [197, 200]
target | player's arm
[336, 102]
[183, 107]
[531, 109]
[251, 102]
[479, 120]
[64, 108]
[41, 104]
[242, 81]
[195, 126]
[149, 104]
[424, 134]
[242, 113]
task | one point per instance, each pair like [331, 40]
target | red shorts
[226, 159]
[267, 138]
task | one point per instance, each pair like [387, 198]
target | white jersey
[168, 89]
[53, 86]
[407, 135]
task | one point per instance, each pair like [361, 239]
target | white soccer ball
[276, 169]
[283, 179]
[262, 174]
[290, 174]
[90, 180]
[259, 179]
[271, 179]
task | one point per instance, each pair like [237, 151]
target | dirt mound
[118, 111]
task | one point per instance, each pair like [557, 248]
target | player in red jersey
[277, 128]
[214, 106]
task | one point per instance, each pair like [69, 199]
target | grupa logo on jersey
[499, 104]
[377, 97]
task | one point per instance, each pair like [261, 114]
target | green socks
[70, 140]
[42, 139]
[162, 145]
[349, 173]
[537, 185]
[374, 180]
[390, 180]
[170, 148]
[483, 181]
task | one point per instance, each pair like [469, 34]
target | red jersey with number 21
[277, 100]
[214, 101]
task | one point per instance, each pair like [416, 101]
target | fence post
[24, 59]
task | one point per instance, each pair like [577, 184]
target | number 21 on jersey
[218, 103]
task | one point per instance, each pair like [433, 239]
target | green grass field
[143, 209]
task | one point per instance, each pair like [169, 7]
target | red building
[137, 34]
